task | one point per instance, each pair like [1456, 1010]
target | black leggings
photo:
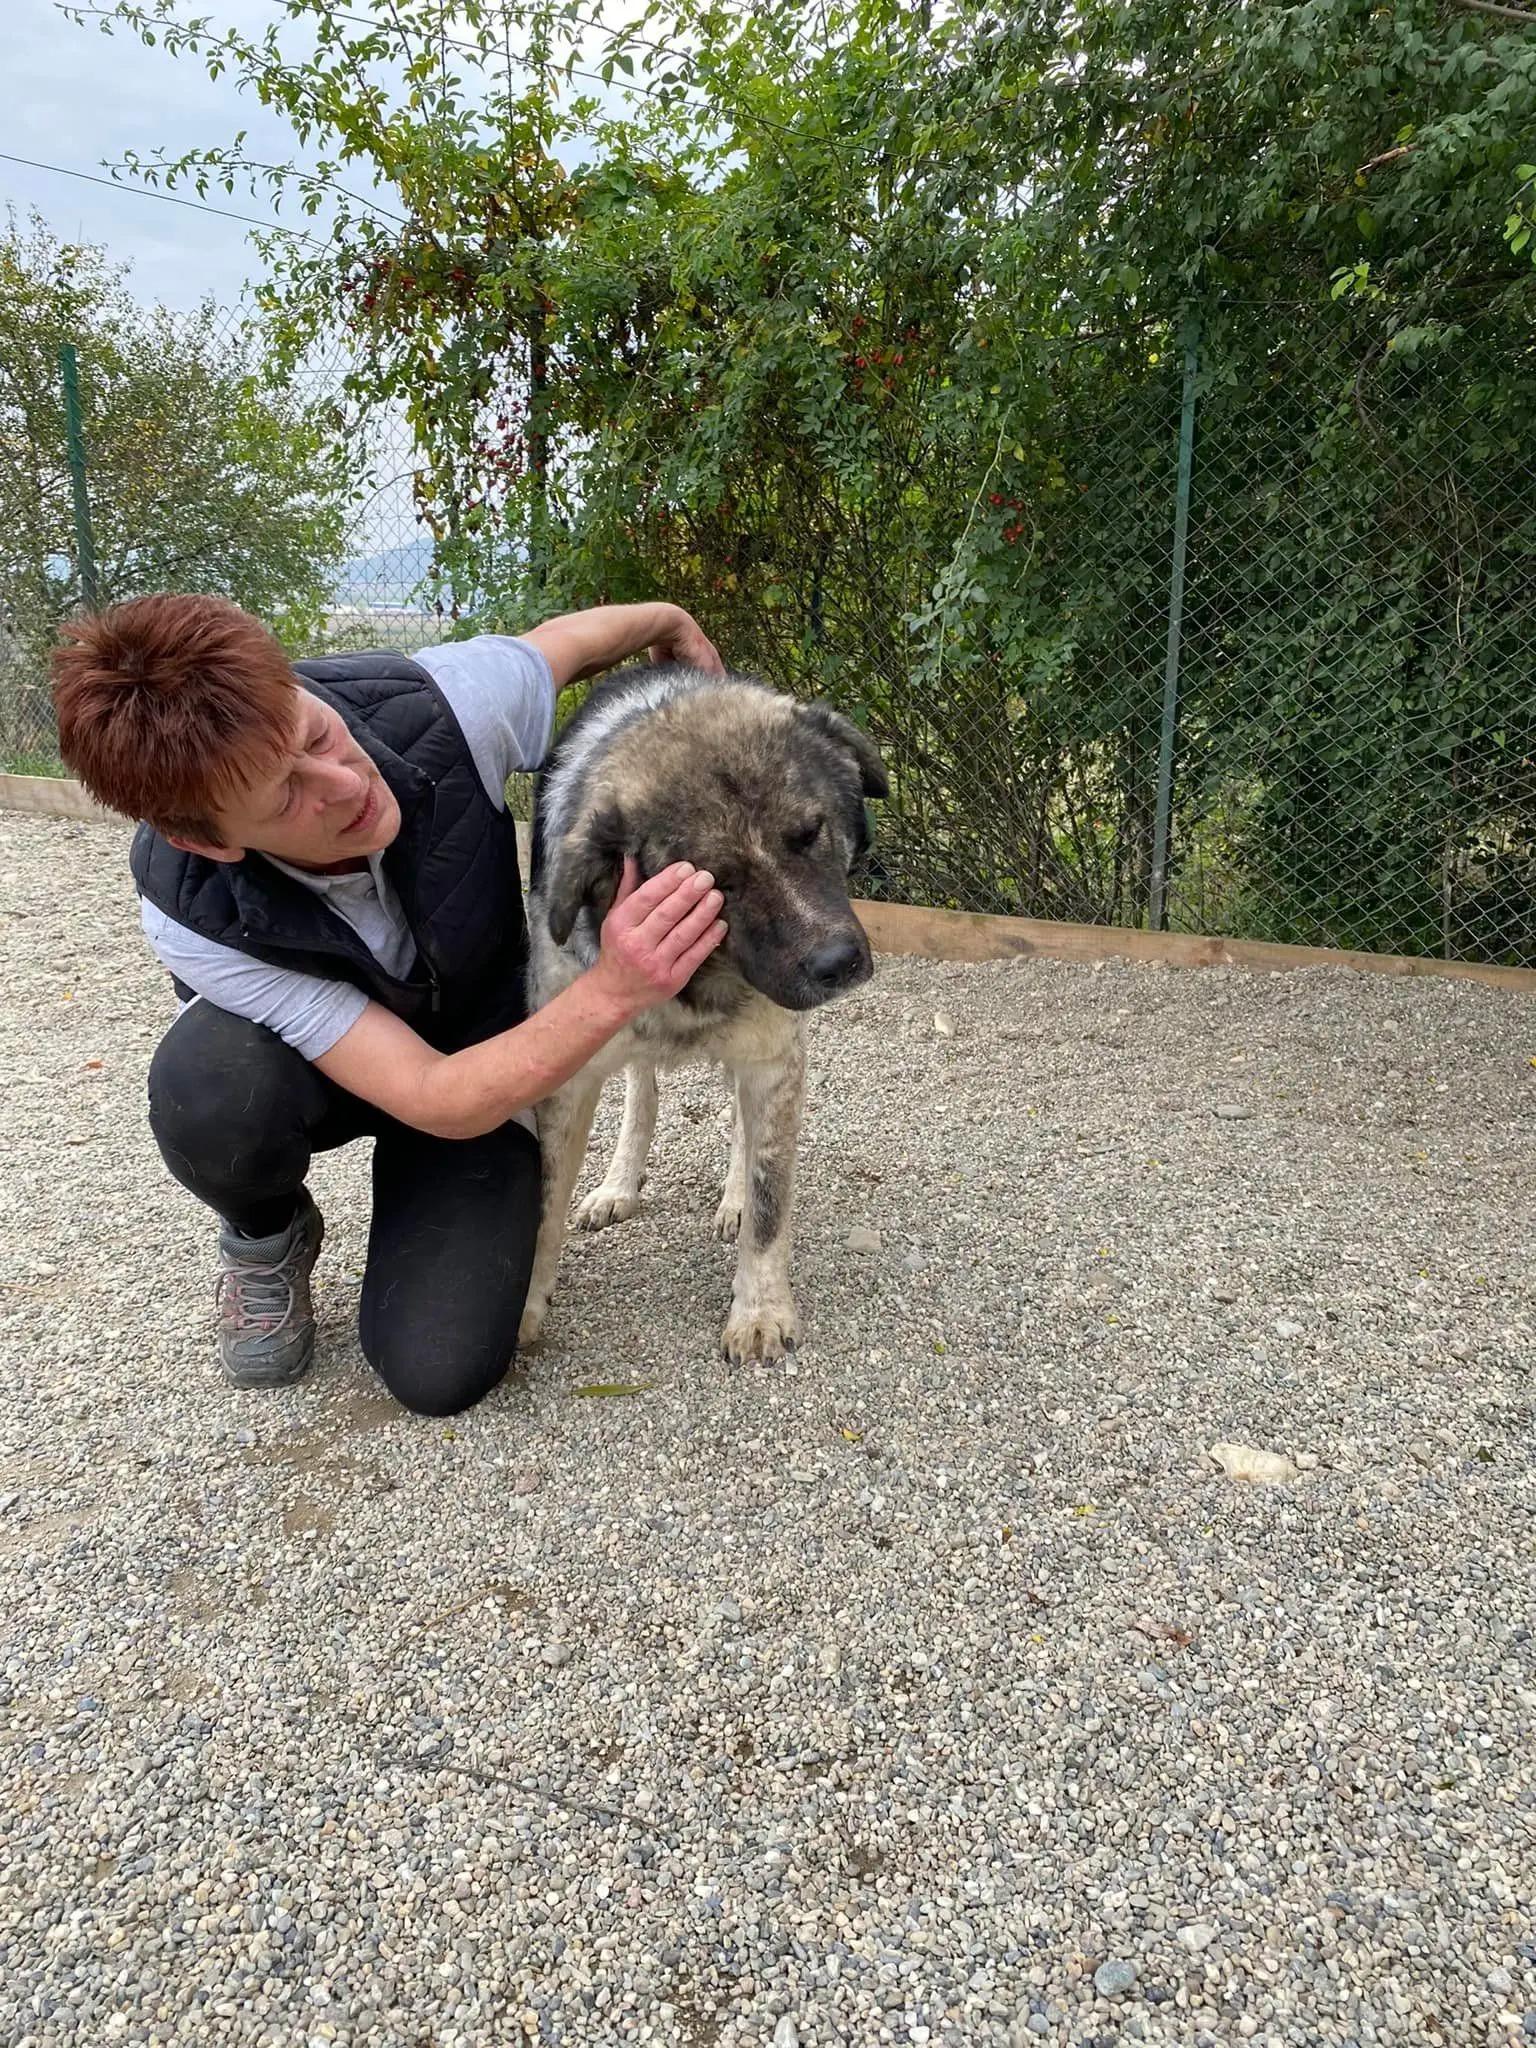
[237, 1115]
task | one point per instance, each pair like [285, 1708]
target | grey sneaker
[266, 1319]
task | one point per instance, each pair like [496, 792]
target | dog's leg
[727, 1223]
[618, 1196]
[762, 1322]
[565, 1122]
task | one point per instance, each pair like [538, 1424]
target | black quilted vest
[453, 864]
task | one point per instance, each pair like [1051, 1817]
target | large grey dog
[671, 764]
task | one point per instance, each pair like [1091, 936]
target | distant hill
[390, 577]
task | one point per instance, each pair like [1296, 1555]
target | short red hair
[170, 705]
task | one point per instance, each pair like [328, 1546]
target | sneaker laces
[260, 1297]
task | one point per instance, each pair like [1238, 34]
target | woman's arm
[654, 938]
[583, 644]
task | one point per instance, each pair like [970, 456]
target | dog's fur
[670, 764]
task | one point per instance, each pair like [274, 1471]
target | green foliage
[201, 476]
[858, 333]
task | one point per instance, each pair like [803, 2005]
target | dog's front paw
[766, 1332]
[531, 1328]
[727, 1223]
[605, 1206]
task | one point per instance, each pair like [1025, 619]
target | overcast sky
[75, 97]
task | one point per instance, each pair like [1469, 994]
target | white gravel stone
[1257, 1467]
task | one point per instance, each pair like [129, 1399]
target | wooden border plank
[49, 796]
[963, 934]
[969, 935]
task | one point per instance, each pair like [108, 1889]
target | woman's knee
[449, 1258]
[438, 1383]
[218, 1082]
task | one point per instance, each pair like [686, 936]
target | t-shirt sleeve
[305, 1010]
[502, 692]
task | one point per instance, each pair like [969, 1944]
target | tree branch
[1521, 14]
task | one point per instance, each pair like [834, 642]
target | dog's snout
[834, 962]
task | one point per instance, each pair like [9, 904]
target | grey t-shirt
[502, 693]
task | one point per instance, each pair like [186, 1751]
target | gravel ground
[938, 1689]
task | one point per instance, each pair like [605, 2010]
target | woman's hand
[684, 640]
[657, 935]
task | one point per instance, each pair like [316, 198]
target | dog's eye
[804, 837]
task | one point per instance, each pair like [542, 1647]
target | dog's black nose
[832, 963]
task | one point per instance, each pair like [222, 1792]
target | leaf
[613, 1390]
[1163, 1632]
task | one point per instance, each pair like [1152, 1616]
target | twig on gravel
[436, 1761]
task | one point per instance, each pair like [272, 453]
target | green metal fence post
[1157, 905]
[85, 542]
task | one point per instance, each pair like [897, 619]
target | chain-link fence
[1270, 608]
[1269, 596]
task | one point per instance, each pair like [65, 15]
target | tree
[203, 475]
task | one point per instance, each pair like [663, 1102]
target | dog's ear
[585, 871]
[842, 732]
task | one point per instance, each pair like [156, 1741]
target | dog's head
[769, 796]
